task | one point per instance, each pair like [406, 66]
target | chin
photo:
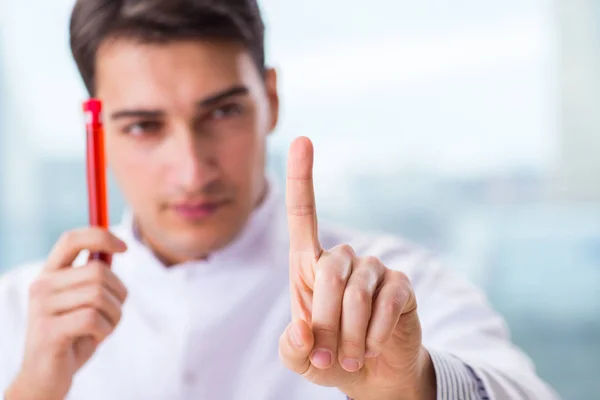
[206, 239]
[180, 240]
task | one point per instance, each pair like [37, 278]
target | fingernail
[122, 245]
[350, 364]
[295, 336]
[371, 354]
[321, 358]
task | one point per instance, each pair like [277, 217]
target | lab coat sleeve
[469, 342]
[14, 290]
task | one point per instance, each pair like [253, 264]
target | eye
[143, 128]
[226, 111]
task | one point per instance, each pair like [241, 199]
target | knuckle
[344, 250]
[326, 330]
[118, 317]
[68, 239]
[375, 343]
[301, 210]
[399, 277]
[374, 263]
[98, 296]
[333, 277]
[289, 360]
[307, 372]
[366, 277]
[90, 320]
[103, 234]
[395, 303]
[103, 334]
[107, 238]
[357, 296]
[38, 287]
[352, 346]
[372, 260]
[97, 271]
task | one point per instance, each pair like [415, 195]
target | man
[215, 291]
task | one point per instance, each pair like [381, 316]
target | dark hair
[160, 21]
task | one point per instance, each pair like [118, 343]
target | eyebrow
[136, 114]
[225, 94]
[207, 102]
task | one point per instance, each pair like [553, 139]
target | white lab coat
[210, 329]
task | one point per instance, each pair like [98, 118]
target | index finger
[300, 199]
[70, 244]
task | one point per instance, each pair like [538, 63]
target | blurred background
[470, 126]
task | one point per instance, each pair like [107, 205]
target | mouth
[194, 211]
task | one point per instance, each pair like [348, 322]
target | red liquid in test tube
[96, 171]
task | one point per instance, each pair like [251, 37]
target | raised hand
[354, 321]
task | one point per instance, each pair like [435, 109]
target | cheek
[133, 172]
[242, 159]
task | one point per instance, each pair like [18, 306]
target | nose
[192, 163]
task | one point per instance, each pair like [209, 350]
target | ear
[272, 96]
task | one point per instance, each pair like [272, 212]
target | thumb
[295, 345]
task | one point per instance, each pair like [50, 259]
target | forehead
[170, 74]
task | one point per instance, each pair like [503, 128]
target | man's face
[186, 125]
